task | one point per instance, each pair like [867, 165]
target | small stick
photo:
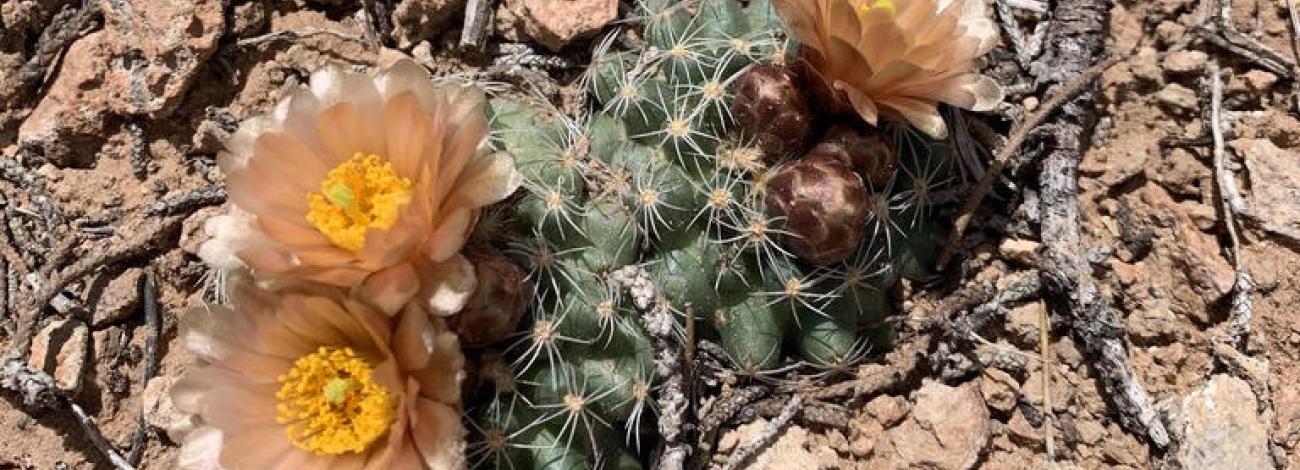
[1062, 95]
[297, 35]
[97, 438]
[61, 31]
[1295, 50]
[478, 19]
[149, 296]
[1044, 343]
[189, 202]
[1240, 317]
[751, 448]
[145, 242]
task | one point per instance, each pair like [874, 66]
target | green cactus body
[657, 171]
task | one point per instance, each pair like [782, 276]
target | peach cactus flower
[895, 58]
[302, 377]
[364, 182]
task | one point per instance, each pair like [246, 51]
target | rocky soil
[112, 111]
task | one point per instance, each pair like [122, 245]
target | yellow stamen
[359, 194]
[331, 405]
[886, 5]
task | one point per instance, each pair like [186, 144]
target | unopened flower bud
[824, 206]
[868, 153]
[770, 108]
[498, 303]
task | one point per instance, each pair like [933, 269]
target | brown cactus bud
[770, 108]
[824, 205]
[868, 153]
[497, 305]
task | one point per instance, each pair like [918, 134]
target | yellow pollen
[331, 405]
[359, 194]
[886, 5]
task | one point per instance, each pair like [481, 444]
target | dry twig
[62, 30]
[1231, 202]
[1295, 51]
[478, 20]
[149, 298]
[1044, 350]
[1078, 33]
[97, 438]
[37, 389]
[751, 448]
[1018, 137]
[145, 241]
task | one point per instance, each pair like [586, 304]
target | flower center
[360, 193]
[866, 7]
[330, 404]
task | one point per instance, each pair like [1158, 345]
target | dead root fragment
[1078, 32]
[37, 389]
[1231, 203]
[751, 448]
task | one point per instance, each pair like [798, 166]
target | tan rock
[947, 429]
[140, 64]
[999, 389]
[1177, 98]
[60, 349]
[1185, 62]
[792, 449]
[417, 20]
[555, 23]
[1274, 184]
[1020, 251]
[115, 297]
[888, 409]
[1221, 427]
[159, 411]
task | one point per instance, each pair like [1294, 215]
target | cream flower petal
[449, 238]
[415, 339]
[229, 234]
[390, 288]
[238, 398]
[903, 59]
[433, 423]
[487, 180]
[406, 75]
[446, 286]
[201, 450]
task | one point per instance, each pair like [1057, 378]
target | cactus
[660, 170]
